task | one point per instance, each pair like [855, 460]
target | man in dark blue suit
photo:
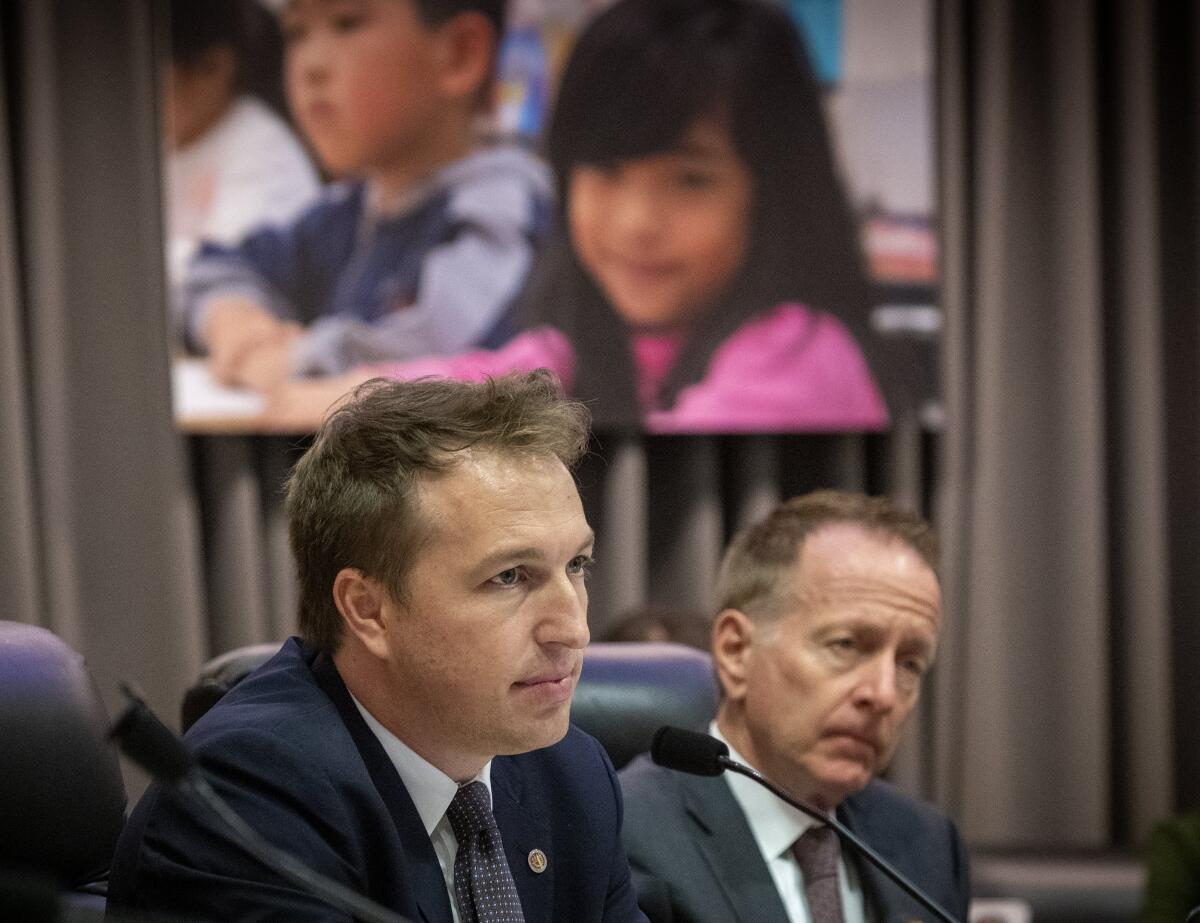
[829, 618]
[414, 744]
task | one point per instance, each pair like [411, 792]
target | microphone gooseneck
[150, 743]
[704, 755]
[158, 750]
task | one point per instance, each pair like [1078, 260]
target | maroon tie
[818, 854]
[483, 882]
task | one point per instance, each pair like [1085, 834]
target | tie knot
[470, 811]
[817, 851]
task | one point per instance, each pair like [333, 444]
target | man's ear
[365, 608]
[468, 43]
[732, 641]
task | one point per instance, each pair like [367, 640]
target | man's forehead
[523, 490]
[838, 546]
[847, 560]
[491, 469]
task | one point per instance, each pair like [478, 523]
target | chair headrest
[220, 675]
[628, 690]
[62, 799]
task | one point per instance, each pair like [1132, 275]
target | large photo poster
[704, 216]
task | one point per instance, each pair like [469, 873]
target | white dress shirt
[776, 826]
[431, 791]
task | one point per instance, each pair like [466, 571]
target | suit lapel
[734, 861]
[885, 900]
[524, 821]
[424, 871]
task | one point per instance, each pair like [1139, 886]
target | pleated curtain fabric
[1068, 506]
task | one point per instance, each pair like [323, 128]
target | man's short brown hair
[754, 573]
[351, 497]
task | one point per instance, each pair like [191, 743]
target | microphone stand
[148, 742]
[332, 892]
[843, 833]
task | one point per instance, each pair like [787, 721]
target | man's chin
[838, 781]
[545, 733]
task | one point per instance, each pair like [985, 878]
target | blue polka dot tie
[483, 882]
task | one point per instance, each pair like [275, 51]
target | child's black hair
[640, 76]
[436, 12]
[246, 28]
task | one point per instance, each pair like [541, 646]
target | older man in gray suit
[829, 620]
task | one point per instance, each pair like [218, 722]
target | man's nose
[564, 617]
[877, 688]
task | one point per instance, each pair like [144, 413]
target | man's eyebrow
[528, 553]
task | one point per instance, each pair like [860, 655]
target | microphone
[689, 751]
[702, 755]
[158, 750]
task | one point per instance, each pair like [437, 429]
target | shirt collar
[775, 824]
[381, 208]
[430, 789]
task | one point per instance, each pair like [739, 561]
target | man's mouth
[856, 737]
[550, 688]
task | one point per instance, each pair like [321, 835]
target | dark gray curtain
[1055, 697]
[96, 522]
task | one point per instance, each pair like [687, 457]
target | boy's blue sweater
[434, 278]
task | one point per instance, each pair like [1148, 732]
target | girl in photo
[705, 274]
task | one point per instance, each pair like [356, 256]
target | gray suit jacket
[695, 860]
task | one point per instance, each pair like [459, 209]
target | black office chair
[625, 693]
[62, 798]
[220, 675]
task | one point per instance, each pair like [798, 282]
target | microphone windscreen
[688, 751]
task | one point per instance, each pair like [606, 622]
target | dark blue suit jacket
[289, 750]
[695, 859]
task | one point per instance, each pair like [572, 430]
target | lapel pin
[537, 861]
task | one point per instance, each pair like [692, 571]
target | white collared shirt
[431, 791]
[776, 826]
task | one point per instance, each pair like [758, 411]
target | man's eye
[914, 665]
[510, 577]
[581, 566]
[841, 645]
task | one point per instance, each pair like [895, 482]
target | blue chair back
[626, 692]
[62, 798]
